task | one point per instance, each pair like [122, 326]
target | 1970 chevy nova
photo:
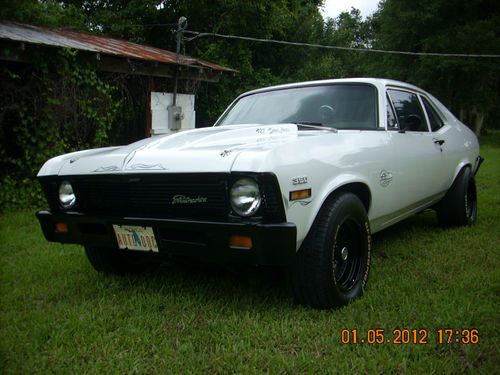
[296, 175]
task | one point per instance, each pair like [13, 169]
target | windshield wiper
[315, 125]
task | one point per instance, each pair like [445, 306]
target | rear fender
[463, 164]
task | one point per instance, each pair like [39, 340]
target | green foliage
[49, 13]
[259, 64]
[465, 85]
[46, 113]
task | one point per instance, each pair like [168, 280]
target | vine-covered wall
[55, 104]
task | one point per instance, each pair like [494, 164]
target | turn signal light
[300, 194]
[240, 242]
[61, 228]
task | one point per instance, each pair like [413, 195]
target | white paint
[421, 170]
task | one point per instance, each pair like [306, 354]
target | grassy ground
[58, 315]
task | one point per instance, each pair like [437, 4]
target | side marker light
[240, 242]
[61, 228]
[300, 194]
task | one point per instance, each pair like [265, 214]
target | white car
[296, 175]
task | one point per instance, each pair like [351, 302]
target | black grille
[153, 196]
[199, 196]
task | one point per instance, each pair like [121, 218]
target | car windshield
[340, 106]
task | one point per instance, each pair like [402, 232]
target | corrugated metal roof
[99, 44]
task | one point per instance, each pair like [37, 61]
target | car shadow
[249, 287]
[415, 226]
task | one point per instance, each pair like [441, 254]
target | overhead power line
[302, 44]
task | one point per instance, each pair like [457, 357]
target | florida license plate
[134, 237]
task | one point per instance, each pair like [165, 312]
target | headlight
[67, 197]
[245, 197]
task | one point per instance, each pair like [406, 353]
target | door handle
[439, 141]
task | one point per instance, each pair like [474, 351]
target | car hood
[199, 150]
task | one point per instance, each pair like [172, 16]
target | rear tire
[119, 262]
[333, 262]
[459, 205]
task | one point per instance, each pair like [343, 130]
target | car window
[341, 106]
[408, 111]
[434, 119]
[392, 123]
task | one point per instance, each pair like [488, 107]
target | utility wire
[152, 24]
[302, 44]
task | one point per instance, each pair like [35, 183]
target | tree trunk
[478, 121]
[478, 124]
[463, 115]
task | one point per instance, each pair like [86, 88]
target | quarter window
[408, 111]
[434, 119]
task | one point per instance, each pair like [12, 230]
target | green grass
[59, 316]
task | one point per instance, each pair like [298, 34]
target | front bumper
[272, 244]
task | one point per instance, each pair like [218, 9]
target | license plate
[134, 237]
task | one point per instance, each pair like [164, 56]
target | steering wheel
[326, 113]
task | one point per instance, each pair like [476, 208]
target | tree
[469, 86]
[346, 30]
[50, 13]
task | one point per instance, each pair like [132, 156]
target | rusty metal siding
[98, 44]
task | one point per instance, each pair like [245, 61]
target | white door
[414, 171]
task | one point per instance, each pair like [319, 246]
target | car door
[441, 133]
[416, 165]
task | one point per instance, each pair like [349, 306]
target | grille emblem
[182, 199]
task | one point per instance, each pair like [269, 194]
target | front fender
[303, 213]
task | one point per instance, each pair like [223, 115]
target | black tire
[459, 205]
[326, 276]
[119, 262]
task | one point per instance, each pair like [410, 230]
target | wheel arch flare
[356, 186]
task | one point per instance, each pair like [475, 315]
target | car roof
[378, 82]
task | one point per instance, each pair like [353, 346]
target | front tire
[119, 262]
[333, 262]
[459, 205]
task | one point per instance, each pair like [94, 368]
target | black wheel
[119, 262]
[459, 205]
[333, 262]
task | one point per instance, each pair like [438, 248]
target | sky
[333, 8]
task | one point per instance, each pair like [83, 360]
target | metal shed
[111, 54]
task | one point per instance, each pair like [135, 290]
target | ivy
[57, 104]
